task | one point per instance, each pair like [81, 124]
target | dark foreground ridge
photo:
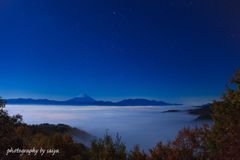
[172, 110]
[203, 111]
[51, 129]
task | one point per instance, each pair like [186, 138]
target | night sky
[174, 51]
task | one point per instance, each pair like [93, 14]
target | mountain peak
[82, 98]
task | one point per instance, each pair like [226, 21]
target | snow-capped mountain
[82, 98]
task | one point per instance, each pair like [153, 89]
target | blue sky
[181, 52]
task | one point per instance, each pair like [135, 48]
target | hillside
[50, 129]
[203, 112]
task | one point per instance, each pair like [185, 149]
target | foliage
[224, 140]
[161, 151]
[48, 129]
[191, 143]
[106, 149]
[8, 137]
[135, 154]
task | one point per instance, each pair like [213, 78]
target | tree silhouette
[8, 137]
[106, 149]
[224, 140]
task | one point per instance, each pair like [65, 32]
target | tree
[106, 149]
[161, 151]
[135, 154]
[224, 139]
[191, 143]
[8, 137]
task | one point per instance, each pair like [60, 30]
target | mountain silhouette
[84, 99]
[143, 102]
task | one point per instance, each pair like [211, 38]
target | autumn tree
[191, 143]
[106, 149]
[8, 137]
[224, 140]
[161, 151]
[136, 154]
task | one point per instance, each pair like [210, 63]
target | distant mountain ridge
[84, 99]
[144, 102]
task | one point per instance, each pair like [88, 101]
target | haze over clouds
[141, 124]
